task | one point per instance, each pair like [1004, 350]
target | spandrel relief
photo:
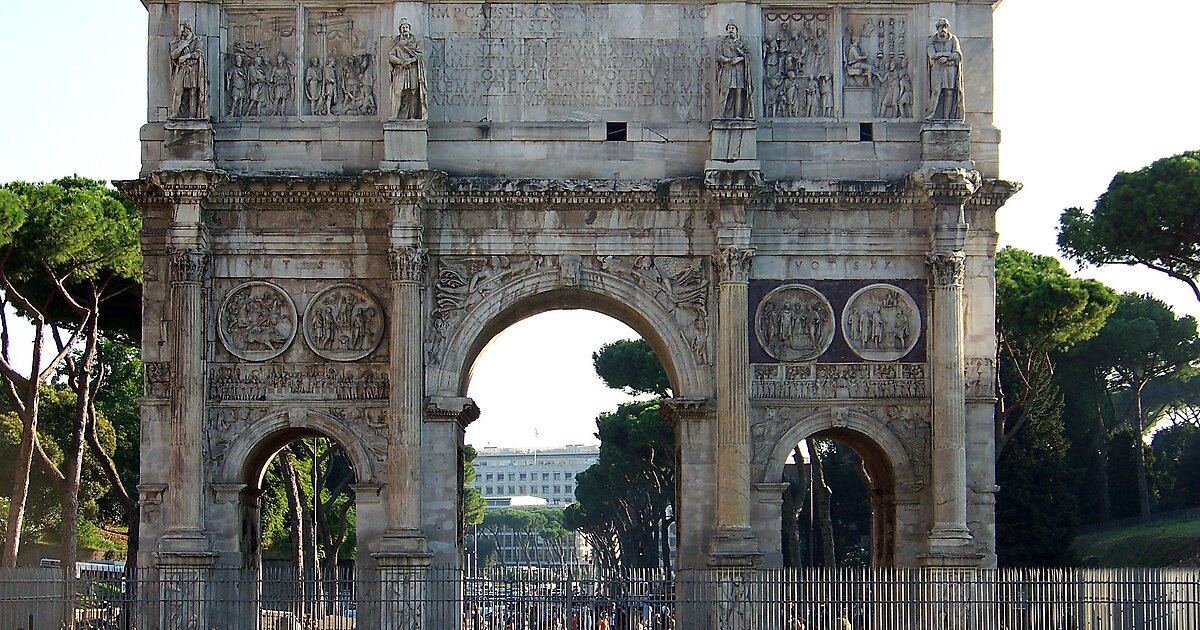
[794, 323]
[877, 68]
[340, 69]
[343, 323]
[881, 323]
[260, 72]
[797, 76]
[257, 321]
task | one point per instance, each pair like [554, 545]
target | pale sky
[1083, 89]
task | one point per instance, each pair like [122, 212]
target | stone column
[949, 190]
[407, 264]
[734, 543]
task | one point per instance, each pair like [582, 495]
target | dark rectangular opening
[616, 132]
[866, 132]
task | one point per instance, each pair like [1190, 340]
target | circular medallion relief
[343, 323]
[794, 323]
[881, 322]
[257, 321]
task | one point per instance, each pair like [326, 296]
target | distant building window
[511, 476]
[555, 489]
[545, 476]
[489, 476]
[511, 490]
[568, 489]
[569, 475]
[545, 489]
[521, 489]
[489, 490]
[522, 476]
[556, 474]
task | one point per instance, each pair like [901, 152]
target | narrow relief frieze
[836, 381]
[233, 382]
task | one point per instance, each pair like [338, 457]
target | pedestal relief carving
[343, 323]
[157, 375]
[881, 322]
[797, 81]
[794, 323]
[911, 426]
[878, 78]
[260, 76]
[338, 79]
[257, 321]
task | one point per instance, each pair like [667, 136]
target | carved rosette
[343, 323]
[257, 321]
[794, 322]
[881, 322]
[408, 264]
[733, 263]
[188, 265]
[949, 268]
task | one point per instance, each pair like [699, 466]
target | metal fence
[524, 598]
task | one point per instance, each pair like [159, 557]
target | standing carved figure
[331, 88]
[407, 58]
[189, 77]
[733, 75]
[235, 84]
[257, 75]
[281, 85]
[946, 100]
[312, 86]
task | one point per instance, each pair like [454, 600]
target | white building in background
[548, 473]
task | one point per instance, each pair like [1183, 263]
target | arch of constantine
[343, 202]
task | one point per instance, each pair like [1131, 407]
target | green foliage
[1042, 307]
[631, 365]
[1036, 511]
[1177, 458]
[1123, 454]
[1143, 340]
[473, 502]
[1149, 217]
[117, 401]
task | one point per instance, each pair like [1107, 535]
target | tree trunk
[20, 485]
[1101, 445]
[1139, 454]
[822, 495]
[295, 511]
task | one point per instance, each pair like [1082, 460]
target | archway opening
[839, 503]
[545, 414]
[298, 535]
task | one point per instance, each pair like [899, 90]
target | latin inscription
[510, 58]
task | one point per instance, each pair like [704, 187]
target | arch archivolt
[241, 449]
[666, 299]
[900, 433]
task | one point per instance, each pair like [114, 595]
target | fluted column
[949, 190]
[185, 490]
[949, 402]
[407, 264]
[734, 543]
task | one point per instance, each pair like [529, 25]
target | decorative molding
[734, 263]
[838, 381]
[188, 264]
[408, 263]
[458, 409]
[681, 410]
[949, 269]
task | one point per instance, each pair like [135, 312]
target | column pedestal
[405, 145]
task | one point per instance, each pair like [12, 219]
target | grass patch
[1166, 543]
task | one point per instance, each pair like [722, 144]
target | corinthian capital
[948, 268]
[408, 263]
[188, 264]
[733, 263]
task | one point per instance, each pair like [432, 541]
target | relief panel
[878, 66]
[881, 322]
[794, 323]
[260, 64]
[340, 66]
[257, 321]
[797, 73]
[343, 323]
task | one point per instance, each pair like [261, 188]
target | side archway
[252, 449]
[894, 477]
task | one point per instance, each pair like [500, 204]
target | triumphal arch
[343, 201]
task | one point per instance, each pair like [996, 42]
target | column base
[402, 543]
[734, 547]
[184, 542]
